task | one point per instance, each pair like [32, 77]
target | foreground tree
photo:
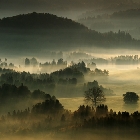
[94, 95]
[130, 97]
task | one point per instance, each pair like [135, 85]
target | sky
[69, 8]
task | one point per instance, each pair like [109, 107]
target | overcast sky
[61, 7]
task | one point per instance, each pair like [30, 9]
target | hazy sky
[68, 8]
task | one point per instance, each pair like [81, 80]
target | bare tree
[94, 95]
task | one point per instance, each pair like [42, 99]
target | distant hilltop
[39, 20]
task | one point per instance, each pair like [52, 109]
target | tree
[27, 62]
[130, 97]
[94, 95]
[33, 61]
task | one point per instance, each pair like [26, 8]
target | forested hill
[131, 13]
[125, 20]
[39, 20]
[38, 31]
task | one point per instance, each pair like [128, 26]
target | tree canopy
[94, 95]
[130, 97]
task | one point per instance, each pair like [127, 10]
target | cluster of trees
[54, 82]
[48, 66]
[4, 64]
[121, 20]
[33, 81]
[81, 66]
[91, 65]
[67, 81]
[5, 70]
[31, 62]
[130, 97]
[69, 72]
[86, 112]
[106, 91]
[50, 83]
[50, 106]
[117, 60]
[96, 93]
[59, 62]
[115, 121]
[99, 72]
[50, 115]
[128, 14]
[14, 94]
[125, 59]
[77, 55]
[98, 61]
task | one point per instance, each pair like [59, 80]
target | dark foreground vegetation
[26, 113]
[49, 118]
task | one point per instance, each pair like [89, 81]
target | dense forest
[50, 116]
[72, 77]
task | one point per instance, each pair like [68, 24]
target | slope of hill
[39, 20]
[131, 13]
[36, 32]
[122, 20]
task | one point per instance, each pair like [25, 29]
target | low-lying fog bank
[80, 134]
[113, 102]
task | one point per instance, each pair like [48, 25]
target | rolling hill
[122, 20]
[36, 32]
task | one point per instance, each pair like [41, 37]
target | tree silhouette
[130, 97]
[94, 95]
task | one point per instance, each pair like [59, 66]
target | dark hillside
[39, 20]
[37, 32]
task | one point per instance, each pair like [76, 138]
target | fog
[113, 102]
[124, 20]
[49, 63]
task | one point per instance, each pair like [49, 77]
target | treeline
[102, 118]
[5, 70]
[50, 116]
[77, 55]
[126, 14]
[53, 66]
[106, 91]
[69, 79]
[124, 20]
[73, 71]
[125, 59]
[117, 60]
[12, 95]
[15, 94]
[97, 61]
[131, 13]
[19, 97]
[4, 64]
[44, 82]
